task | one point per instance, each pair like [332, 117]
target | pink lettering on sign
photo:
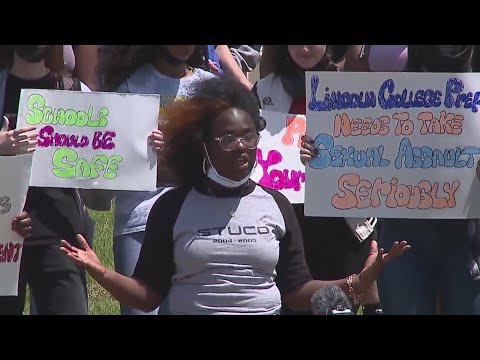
[103, 140]
[48, 137]
[275, 176]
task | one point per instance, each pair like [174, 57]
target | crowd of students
[170, 256]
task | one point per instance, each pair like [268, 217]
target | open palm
[376, 260]
[84, 256]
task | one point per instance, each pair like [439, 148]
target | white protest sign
[91, 140]
[393, 145]
[278, 155]
[14, 178]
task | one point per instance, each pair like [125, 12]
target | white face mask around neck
[213, 175]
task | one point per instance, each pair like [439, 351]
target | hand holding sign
[85, 139]
[14, 142]
[156, 140]
[393, 145]
[22, 225]
[308, 150]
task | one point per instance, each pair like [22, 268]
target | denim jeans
[126, 249]
[437, 264]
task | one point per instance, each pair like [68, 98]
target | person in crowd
[272, 53]
[331, 248]
[56, 213]
[438, 267]
[81, 61]
[235, 62]
[167, 70]
[245, 253]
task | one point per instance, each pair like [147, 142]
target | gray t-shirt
[132, 207]
[208, 262]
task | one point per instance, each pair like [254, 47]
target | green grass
[99, 301]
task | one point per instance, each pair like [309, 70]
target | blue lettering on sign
[333, 155]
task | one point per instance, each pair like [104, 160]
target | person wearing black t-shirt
[56, 213]
[333, 247]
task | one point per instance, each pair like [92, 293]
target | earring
[204, 166]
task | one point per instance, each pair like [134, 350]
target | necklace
[231, 213]
[232, 210]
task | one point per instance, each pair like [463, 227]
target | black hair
[187, 123]
[231, 92]
[337, 53]
[120, 61]
[440, 58]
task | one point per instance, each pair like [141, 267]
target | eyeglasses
[229, 142]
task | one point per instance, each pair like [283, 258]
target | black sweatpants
[56, 283]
